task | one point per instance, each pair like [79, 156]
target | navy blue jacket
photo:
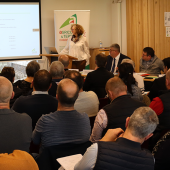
[110, 59]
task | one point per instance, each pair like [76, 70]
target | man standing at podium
[115, 58]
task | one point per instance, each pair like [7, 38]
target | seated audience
[162, 107]
[25, 85]
[9, 73]
[161, 153]
[15, 128]
[118, 150]
[18, 160]
[150, 63]
[138, 78]
[64, 59]
[115, 58]
[159, 84]
[66, 125]
[87, 102]
[126, 74]
[57, 73]
[40, 102]
[96, 80]
[114, 114]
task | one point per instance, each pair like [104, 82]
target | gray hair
[126, 60]
[6, 90]
[64, 59]
[57, 69]
[115, 46]
[116, 85]
[143, 122]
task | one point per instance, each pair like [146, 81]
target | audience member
[126, 74]
[25, 85]
[115, 58]
[15, 128]
[96, 80]
[161, 153]
[17, 160]
[40, 102]
[66, 125]
[64, 59]
[114, 114]
[150, 63]
[57, 72]
[159, 84]
[87, 102]
[118, 150]
[138, 78]
[9, 73]
[161, 106]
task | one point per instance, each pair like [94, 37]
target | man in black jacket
[118, 150]
[40, 102]
[159, 84]
[96, 80]
[9, 73]
[115, 58]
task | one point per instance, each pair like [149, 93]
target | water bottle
[101, 45]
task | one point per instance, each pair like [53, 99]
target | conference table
[148, 80]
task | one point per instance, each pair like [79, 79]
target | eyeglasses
[144, 55]
[112, 50]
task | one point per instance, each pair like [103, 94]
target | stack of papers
[68, 162]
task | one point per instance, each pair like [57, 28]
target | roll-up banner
[63, 19]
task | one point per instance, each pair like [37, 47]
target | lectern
[57, 55]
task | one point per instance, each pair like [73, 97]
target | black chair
[47, 159]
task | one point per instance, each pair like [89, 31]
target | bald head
[116, 86]
[6, 90]
[64, 59]
[67, 92]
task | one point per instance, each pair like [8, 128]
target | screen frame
[29, 58]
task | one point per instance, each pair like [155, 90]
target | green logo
[69, 21]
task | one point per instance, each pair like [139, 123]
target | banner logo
[71, 20]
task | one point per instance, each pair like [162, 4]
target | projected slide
[19, 30]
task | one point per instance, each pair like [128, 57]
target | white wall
[118, 18]
[100, 20]
[106, 20]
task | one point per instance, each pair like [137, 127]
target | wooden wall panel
[145, 27]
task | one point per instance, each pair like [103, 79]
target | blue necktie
[113, 68]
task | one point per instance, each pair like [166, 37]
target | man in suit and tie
[115, 58]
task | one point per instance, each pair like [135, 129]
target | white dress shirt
[80, 49]
[89, 159]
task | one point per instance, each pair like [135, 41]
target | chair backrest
[47, 159]
[103, 102]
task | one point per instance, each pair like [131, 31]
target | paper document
[69, 162]
[85, 72]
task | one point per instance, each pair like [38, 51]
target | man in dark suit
[159, 86]
[9, 73]
[96, 80]
[40, 102]
[115, 58]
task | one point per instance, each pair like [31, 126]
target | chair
[79, 65]
[47, 159]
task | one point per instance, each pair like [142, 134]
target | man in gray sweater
[66, 125]
[150, 63]
[15, 128]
